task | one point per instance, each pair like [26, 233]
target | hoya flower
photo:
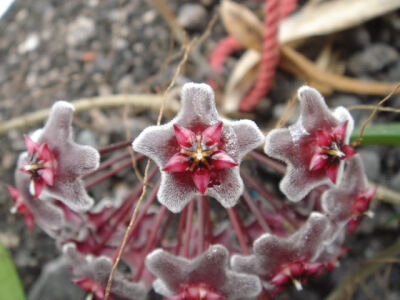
[204, 277]
[278, 260]
[349, 201]
[56, 163]
[92, 275]
[198, 152]
[314, 147]
[21, 207]
[44, 213]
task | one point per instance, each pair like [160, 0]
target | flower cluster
[187, 245]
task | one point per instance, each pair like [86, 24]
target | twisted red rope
[225, 47]
[275, 10]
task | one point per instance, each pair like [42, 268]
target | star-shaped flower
[349, 201]
[44, 213]
[204, 277]
[314, 147]
[56, 163]
[278, 259]
[198, 152]
[93, 272]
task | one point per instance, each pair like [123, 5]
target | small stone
[372, 163]
[80, 31]
[372, 59]
[30, 44]
[86, 137]
[55, 283]
[192, 16]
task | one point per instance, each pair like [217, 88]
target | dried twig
[373, 107]
[292, 60]
[347, 285]
[140, 101]
[373, 113]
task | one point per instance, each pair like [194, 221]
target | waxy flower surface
[44, 213]
[278, 260]
[198, 152]
[92, 274]
[314, 147]
[349, 201]
[204, 277]
[55, 162]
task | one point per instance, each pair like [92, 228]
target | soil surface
[53, 49]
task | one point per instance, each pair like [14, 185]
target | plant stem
[188, 230]
[109, 162]
[272, 163]
[150, 242]
[114, 147]
[255, 211]
[94, 181]
[238, 230]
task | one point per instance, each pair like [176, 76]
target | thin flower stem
[108, 174]
[255, 211]
[209, 233]
[268, 196]
[200, 221]
[238, 230]
[114, 147]
[272, 163]
[150, 200]
[188, 230]
[181, 226]
[150, 242]
[125, 214]
[107, 163]
[130, 199]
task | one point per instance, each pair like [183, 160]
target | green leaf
[10, 285]
[382, 134]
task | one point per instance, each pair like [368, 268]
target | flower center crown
[200, 154]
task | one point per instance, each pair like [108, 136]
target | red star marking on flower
[359, 207]
[21, 207]
[91, 286]
[198, 292]
[41, 165]
[295, 272]
[330, 150]
[199, 154]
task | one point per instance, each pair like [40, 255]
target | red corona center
[200, 154]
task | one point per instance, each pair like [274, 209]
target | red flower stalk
[200, 154]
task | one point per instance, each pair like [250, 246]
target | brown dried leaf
[242, 24]
[241, 80]
[332, 16]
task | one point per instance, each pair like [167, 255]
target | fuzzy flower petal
[71, 160]
[209, 271]
[164, 144]
[95, 271]
[44, 213]
[272, 253]
[314, 147]
[350, 199]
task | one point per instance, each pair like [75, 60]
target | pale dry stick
[369, 267]
[385, 194]
[357, 142]
[287, 111]
[145, 177]
[140, 101]
[372, 107]
[130, 149]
